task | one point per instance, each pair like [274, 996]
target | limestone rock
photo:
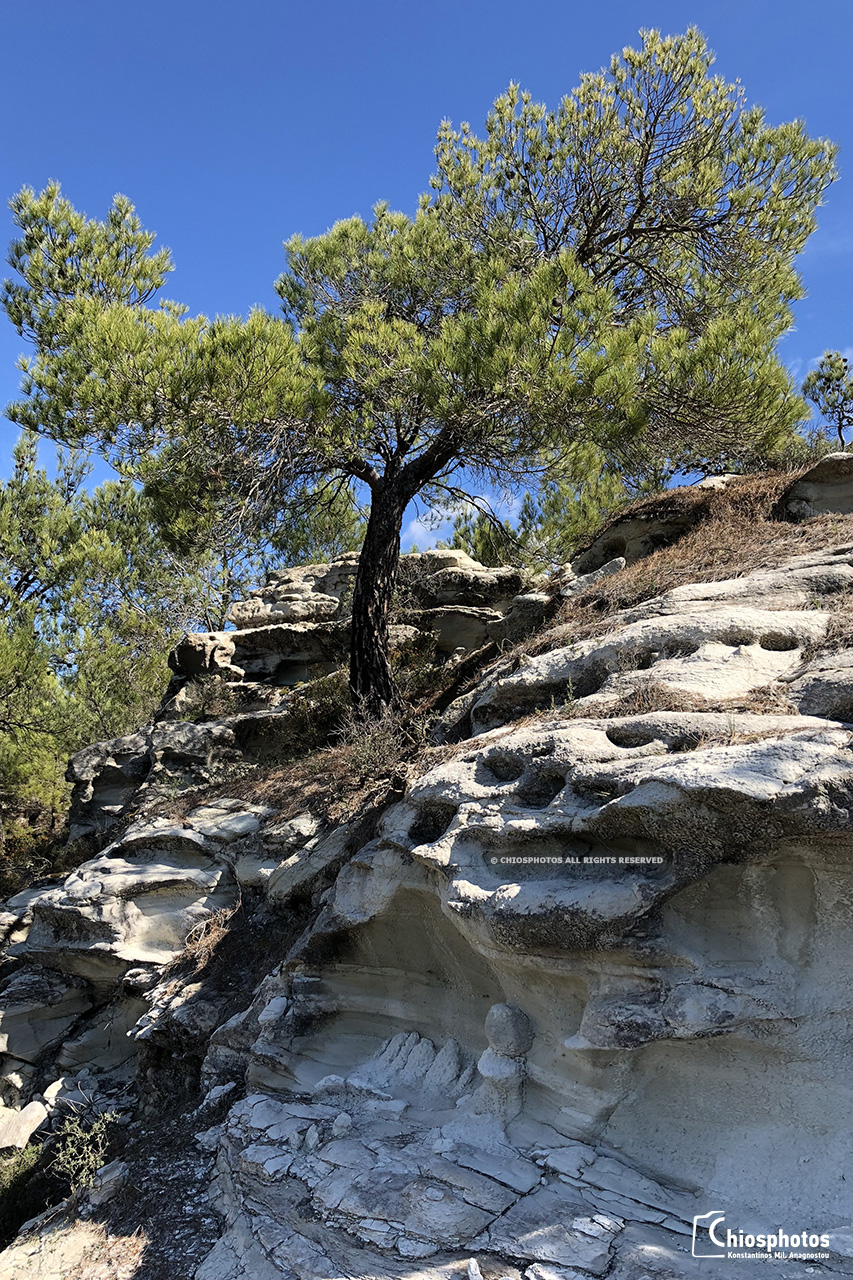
[711, 654]
[548, 1226]
[38, 1008]
[527, 613]
[824, 686]
[282, 653]
[631, 537]
[458, 626]
[518, 1032]
[473, 584]
[825, 487]
[132, 905]
[17, 1127]
[581, 582]
[108, 775]
[508, 1030]
[109, 1180]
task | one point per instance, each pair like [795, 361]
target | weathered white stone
[17, 1127]
[826, 487]
[585, 580]
[713, 653]
[37, 1010]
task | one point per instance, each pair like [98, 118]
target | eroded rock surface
[589, 978]
[288, 633]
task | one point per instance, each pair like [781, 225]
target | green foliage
[830, 388]
[582, 490]
[82, 1144]
[683, 207]
[90, 598]
[61, 256]
[20, 1193]
[553, 519]
[417, 668]
[606, 281]
[94, 594]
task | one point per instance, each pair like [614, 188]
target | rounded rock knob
[508, 1030]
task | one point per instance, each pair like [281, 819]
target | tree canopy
[613, 274]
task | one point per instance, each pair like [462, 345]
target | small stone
[341, 1124]
[108, 1180]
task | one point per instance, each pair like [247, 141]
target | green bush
[21, 1191]
[81, 1148]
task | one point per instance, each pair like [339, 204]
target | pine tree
[830, 389]
[614, 274]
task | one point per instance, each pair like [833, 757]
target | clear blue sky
[231, 126]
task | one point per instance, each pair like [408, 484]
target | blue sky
[231, 126]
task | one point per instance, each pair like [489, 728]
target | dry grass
[109, 1257]
[654, 695]
[323, 783]
[648, 695]
[736, 533]
[203, 939]
[76, 1250]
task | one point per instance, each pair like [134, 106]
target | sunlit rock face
[590, 979]
[286, 634]
[585, 977]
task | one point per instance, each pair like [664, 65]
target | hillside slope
[521, 1004]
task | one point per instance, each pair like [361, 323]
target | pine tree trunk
[372, 687]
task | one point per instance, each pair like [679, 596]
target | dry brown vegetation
[736, 531]
[653, 695]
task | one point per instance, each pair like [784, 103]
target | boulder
[281, 653]
[825, 487]
[106, 777]
[457, 626]
[475, 586]
[133, 905]
[17, 1127]
[633, 536]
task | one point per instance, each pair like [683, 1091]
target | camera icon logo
[706, 1243]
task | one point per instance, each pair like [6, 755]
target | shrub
[81, 1148]
[21, 1196]
[375, 745]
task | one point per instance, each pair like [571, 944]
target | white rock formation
[590, 978]
[289, 632]
[662, 899]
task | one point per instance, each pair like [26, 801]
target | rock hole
[602, 555]
[738, 638]
[431, 822]
[775, 642]
[539, 789]
[623, 735]
[504, 768]
[682, 650]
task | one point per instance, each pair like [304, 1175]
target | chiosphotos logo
[713, 1239]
